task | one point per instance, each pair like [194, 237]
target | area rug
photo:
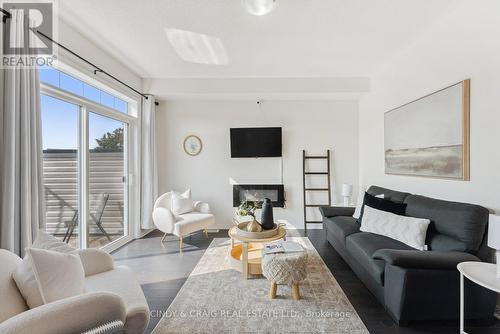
[216, 299]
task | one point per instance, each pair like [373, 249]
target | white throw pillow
[58, 275]
[44, 240]
[182, 203]
[24, 276]
[409, 230]
[361, 200]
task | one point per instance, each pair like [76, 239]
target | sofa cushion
[12, 301]
[182, 203]
[58, 275]
[362, 245]
[192, 222]
[382, 204]
[24, 276]
[391, 195]
[409, 230]
[121, 281]
[463, 223]
[342, 226]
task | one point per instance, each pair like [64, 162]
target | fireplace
[257, 192]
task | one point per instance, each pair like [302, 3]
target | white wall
[78, 43]
[311, 125]
[462, 45]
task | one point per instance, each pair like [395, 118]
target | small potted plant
[247, 208]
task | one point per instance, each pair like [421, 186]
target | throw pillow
[382, 204]
[408, 230]
[182, 203]
[58, 275]
[359, 204]
[44, 240]
[24, 276]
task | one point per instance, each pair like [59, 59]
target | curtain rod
[8, 15]
[96, 68]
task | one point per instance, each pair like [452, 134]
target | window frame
[132, 168]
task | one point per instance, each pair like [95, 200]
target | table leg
[462, 305]
[244, 260]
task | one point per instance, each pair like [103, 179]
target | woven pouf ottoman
[285, 268]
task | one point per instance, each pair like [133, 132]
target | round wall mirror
[192, 145]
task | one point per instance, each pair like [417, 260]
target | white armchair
[181, 225]
[112, 295]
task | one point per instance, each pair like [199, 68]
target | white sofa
[181, 225]
[112, 293]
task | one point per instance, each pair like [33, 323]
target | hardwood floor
[162, 271]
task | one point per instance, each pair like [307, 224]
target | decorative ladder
[306, 190]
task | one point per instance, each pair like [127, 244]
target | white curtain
[21, 202]
[149, 170]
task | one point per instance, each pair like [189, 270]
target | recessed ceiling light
[259, 7]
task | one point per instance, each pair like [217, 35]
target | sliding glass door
[107, 181]
[85, 162]
[61, 167]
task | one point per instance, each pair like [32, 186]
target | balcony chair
[97, 217]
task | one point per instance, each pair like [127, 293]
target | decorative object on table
[266, 217]
[494, 238]
[181, 225]
[192, 145]
[262, 234]
[430, 136]
[285, 268]
[281, 246]
[254, 226]
[247, 208]
[346, 193]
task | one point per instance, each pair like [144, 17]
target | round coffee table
[246, 253]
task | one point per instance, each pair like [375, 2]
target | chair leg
[295, 291]
[66, 235]
[103, 231]
[164, 236]
[272, 290]
[206, 233]
[180, 244]
[70, 233]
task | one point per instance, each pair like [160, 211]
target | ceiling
[300, 38]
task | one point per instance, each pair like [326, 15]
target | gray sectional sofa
[413, 284]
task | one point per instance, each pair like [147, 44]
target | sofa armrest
[423, 259]
[70, 315]
[164, 219]
[334, 211]
[95, 261]
[202, 207]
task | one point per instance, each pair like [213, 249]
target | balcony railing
[60, 180]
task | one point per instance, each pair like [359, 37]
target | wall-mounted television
[255, 142]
